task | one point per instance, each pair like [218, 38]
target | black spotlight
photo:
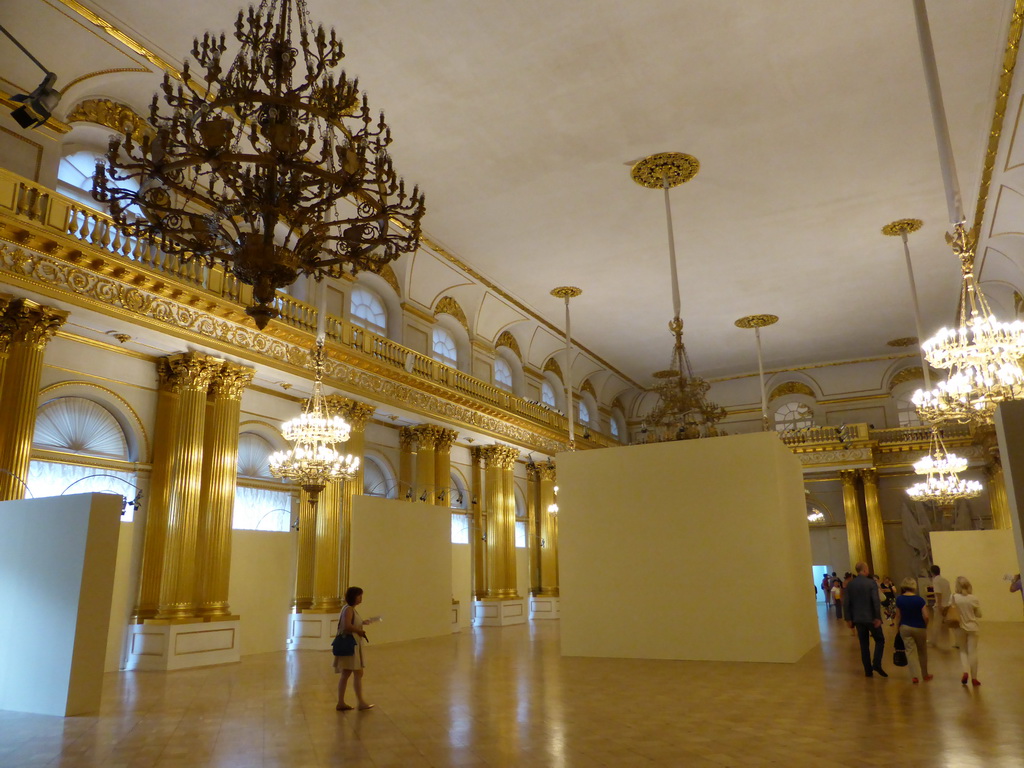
[36, 107]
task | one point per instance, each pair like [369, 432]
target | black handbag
[899, 652]
[344, 645]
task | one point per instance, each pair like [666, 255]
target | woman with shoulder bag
[969, 610]
[912, 616]
[351, 623]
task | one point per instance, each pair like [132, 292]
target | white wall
[985, 558]
[652, 537]
[262, 587]
[402, 558]
[462, 582]
[57, 561]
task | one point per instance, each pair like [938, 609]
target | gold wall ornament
[446, 305]
[913, 373]
[279, 207]
[791, 388]
[552, 366]
[506, 339]
[388, 274]
[665, 168]
[903, 341]
[111, 114]
[589, 387]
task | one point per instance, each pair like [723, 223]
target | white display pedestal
[544, 607]
[162, 646]
[312, 631]
[456, 609]
[499, 613]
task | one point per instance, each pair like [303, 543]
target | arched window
[502, 374]
[613, 428]
[377, 478]
[368, 311]
[906, 411]
[259, 509]
[547, 395]
[790, 416]
[254, 456]
[75, 425]
[584, 413]
[444, 347]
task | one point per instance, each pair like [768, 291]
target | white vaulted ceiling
[809, 117]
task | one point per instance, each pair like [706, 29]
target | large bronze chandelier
[276, 167]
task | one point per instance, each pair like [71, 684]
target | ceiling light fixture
[36, 107]
[942, 484]
[258, 169]
[683, 410]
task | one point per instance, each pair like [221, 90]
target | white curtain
[460, 529]
[51, 479]
[257, 509]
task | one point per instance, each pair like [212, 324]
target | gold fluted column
[533, 524]
[997, 498]
[190, 375]
[426, 436]
[306, 555]
[217, 501]
[548, 532]
[478, 544]
[164, 437]
[357, 415]
[851, 509]
[407, 448]
[327, 561]
[28, 328]
[876, 529]
[5, 334]
[443, 466]
[499, 461]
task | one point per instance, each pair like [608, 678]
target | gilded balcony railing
[98, 234]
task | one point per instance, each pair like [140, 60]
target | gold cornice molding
[63, 457]
[415, 311]
[282, 347]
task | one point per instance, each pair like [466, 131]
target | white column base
[163, 646]
[499, 613]
[542, 607]
[309, 631]
[456, 610]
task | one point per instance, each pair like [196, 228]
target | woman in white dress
[351, 623]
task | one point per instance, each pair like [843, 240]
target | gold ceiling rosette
[276, 168]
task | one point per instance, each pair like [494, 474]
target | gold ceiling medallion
[566, 292]
[903, 341]
[757, 321]
[277, 168]
[901, 226]
[673, 168]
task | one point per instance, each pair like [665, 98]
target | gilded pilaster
[533, 525]
[407, 448]
[217, 500]
[548, 532]
[876, 530]
[165, 436]
[357, 415]
[307, 553]
[1000, 503]
[851, 508]
[27, 329]
[190, 373]
[477, 540]
[425, 490]
[499, 461]
[443, 466]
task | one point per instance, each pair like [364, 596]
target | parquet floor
[505, 697]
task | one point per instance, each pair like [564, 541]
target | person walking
[826, 587]
[938, 632]
[863, 610]
[889, 600]
[969, 608]
[351, 623]
[837, 597]
[912, 617]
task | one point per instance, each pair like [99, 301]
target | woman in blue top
[912, 616]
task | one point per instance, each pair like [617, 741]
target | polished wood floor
[505, 697]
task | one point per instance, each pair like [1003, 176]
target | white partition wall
[986, 558]
[402, 557]
[1010, 431]
[57, 561]
[686, 550]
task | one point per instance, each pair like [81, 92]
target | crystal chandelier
[275, 168]
[313, 461]
[682, 411]
[942, 484]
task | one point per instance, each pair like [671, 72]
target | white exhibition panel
[985, 558]
[686, 550]
[57, 562]
[1010, 432]
[262, 587]
[401, 555]
[462, 581]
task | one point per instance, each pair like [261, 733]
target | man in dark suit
[863, 610]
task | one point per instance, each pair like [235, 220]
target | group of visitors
[864, 601]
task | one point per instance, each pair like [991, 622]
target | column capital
[188, 371]
[231, 381]
[29, 322]
[427, 435]
[870, 475]
[547, 471]
[531, 472]
[848, 476]
[503, 456]
[357, 414]
[407, 438]
[445, 440]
